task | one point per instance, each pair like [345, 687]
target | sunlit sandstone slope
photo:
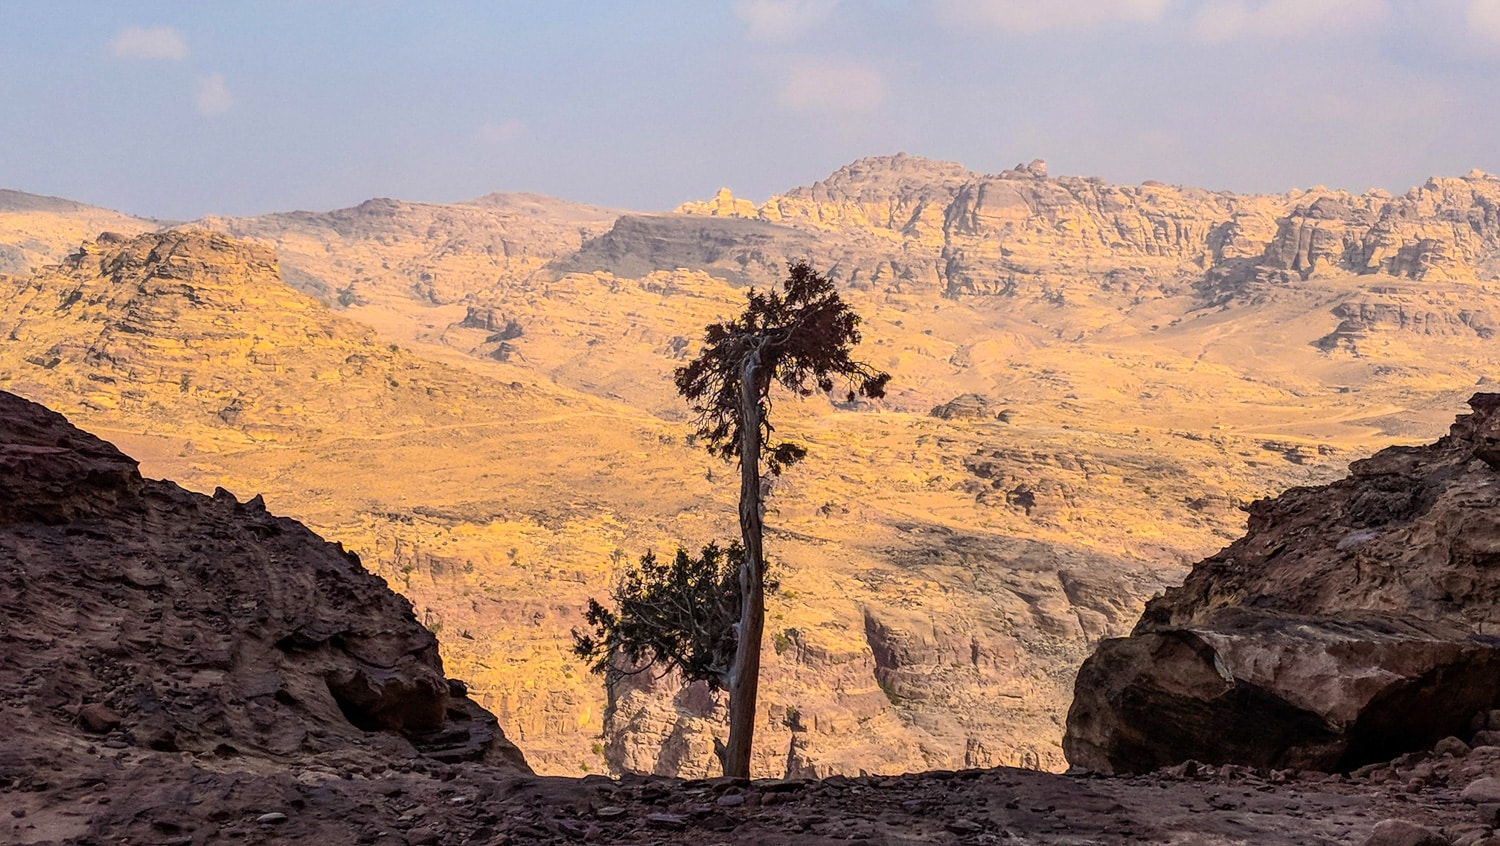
[1089, 380]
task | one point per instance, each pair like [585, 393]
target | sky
[176, 110]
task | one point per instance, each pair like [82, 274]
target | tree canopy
[804, 335]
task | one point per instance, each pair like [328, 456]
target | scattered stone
[1450, 746]
[730, 800]
[963, 826]
[671, 822]
[423, 836]
[272, 818]
[1482, 791]
[97, 718]
[1186, 769]
[1403, 833]
[610, 812]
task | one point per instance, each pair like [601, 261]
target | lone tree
[800, 337]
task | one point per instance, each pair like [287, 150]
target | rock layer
[1352, 623]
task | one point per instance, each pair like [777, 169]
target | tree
[801, 338]
[678, 616]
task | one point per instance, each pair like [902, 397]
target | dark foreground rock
[140, 616]
[1352, 623]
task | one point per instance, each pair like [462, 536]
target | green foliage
[678, 614]
[803, 335]
[785, 639]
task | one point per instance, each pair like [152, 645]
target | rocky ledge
[137, 615]
[1354, 622]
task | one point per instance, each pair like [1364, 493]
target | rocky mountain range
[1089, 382]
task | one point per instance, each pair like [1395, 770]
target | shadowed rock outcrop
[173, 621]
[1352, 623]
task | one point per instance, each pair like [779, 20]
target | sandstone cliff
[986, 234]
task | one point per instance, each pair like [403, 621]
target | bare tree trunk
[744, 674]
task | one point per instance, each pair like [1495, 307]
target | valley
[1089, 382]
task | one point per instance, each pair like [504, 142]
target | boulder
[1276, 691]
[1348, 626]
[1403, 833]
[970, 407]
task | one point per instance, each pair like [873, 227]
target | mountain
[42, 230]
[1089, 381]
[388, 248]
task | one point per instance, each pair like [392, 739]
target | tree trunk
[744, 674]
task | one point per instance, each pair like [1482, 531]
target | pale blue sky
[179, 109]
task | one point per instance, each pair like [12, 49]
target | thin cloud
[1219, 21]
[1483, 19]
[499, 133]
[824, 85]
[782, 20]
[155, 42]
[213, 98]
[1028, 17]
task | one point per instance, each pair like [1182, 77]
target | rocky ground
[107, 790]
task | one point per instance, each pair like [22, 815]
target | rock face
[936, 223]
[1352, 623]
[179, 622]
[970, 407]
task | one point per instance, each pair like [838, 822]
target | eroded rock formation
[157, 618]
[1353, 622]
